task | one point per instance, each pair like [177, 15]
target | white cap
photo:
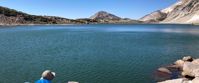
[48, 74]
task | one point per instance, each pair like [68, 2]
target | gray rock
[179, 63]
[196, 61]
[196, 80]
[190, 69]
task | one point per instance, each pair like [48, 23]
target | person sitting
[46, 77]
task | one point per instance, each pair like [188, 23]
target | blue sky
[85, 8]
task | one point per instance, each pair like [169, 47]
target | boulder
[187, 69]
[188, 58]
[190, 69]
[196, 61]
[196, 80]
[179, 63]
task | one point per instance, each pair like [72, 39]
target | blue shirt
[43, 81]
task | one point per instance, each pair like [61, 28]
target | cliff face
[183, 11]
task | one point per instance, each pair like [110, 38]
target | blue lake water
[93, 53]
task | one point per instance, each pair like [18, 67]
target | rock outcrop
[154, 17]
[183, 11]
[188, 67]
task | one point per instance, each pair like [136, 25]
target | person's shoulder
[42, 81]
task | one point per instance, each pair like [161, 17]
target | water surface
[93, 53]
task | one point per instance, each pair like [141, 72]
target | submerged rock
[167, 73]
[164, 70]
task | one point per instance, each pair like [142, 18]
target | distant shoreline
[99, 24]
[32, 24]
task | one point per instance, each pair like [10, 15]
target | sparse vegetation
[11, 16]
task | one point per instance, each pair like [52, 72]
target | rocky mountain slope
[183, 11]
[105, 17]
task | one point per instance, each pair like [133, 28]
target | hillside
[13, 17]
[183, 11]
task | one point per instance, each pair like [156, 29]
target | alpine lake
[98, 53]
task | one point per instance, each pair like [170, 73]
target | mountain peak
[105, 15]
[102, 12]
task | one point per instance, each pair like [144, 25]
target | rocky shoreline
[185, 70]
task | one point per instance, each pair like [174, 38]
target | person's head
[48, 74]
